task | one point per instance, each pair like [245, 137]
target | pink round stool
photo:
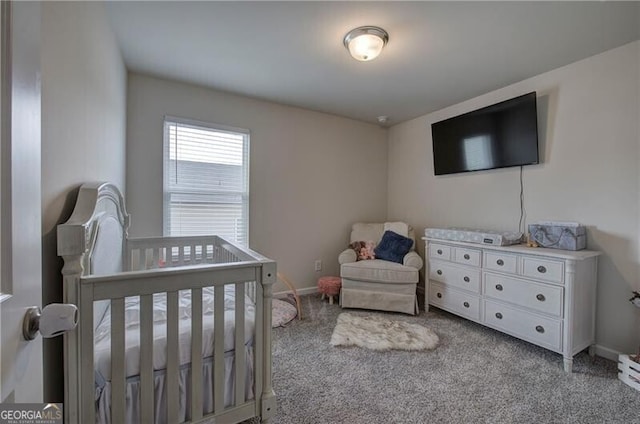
[329, 286]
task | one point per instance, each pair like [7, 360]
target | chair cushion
[397, 227]
[393, 247]
[379, 271]
[364, 286]
[363, 231]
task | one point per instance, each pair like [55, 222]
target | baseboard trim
[605, 352]
[301, 292]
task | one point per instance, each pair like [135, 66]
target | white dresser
[544, 296]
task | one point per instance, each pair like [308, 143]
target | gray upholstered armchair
[376, 283]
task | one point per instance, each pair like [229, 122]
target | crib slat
[87, 370]
[146, 358]
[156, 258]
[239, 345]
[134, 264]
[181, 255]
[172, 378]
[118, 369]
[148, 258]
[193, 254]
[196, 354]
[218, 353]
[166, 257]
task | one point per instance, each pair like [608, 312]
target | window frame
[165, 165]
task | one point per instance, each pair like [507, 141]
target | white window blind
[206, 180]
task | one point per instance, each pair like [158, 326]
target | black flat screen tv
[498, 136]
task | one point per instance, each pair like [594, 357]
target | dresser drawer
[543, 269]
[462, 277]
[456, 301]
[539, 297]
[501, 262]
[440, 251]
[467, 256]
[545, 332]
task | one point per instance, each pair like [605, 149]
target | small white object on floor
[283, 313]
[379, 332]
[629, 371]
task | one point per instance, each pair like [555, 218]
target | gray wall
[589, 143]
[83, 133]
[311, 174]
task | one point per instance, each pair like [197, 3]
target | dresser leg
[568, 364]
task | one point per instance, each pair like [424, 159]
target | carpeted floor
[475, 375]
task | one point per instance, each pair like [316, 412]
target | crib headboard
[92, 241]
[94, 237]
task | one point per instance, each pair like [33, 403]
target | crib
[170, 329]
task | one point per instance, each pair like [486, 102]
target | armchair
[376, 283]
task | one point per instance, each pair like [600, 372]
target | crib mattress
[102, 345]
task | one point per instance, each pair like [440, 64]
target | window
[477, 153]
[206, 180]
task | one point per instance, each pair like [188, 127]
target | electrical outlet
[318, 265]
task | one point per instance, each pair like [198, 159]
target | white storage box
[559, 235]
[471, 235]
[629, 371]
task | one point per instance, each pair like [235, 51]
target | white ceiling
[439, 53]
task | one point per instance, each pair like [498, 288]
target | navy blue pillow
[393, 247]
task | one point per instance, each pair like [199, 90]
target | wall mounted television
[498, 136]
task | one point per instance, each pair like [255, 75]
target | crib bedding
[132, 391]
[102, 354]
[102, 344]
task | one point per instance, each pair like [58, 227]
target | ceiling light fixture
[382, 120]
[366, 42]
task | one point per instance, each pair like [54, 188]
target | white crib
[152, 310]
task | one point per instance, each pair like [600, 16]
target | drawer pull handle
[439, 251]
[466, 304]
[466, 256]
[499, 287]
[466, 279]
[540, 329]
[439, 295]
[542, 269]
[498, 315]
[439, 272]
[540, 297]
[500, 262]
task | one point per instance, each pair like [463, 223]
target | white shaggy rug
[377, 332]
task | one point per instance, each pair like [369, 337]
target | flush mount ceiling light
[366, 42]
